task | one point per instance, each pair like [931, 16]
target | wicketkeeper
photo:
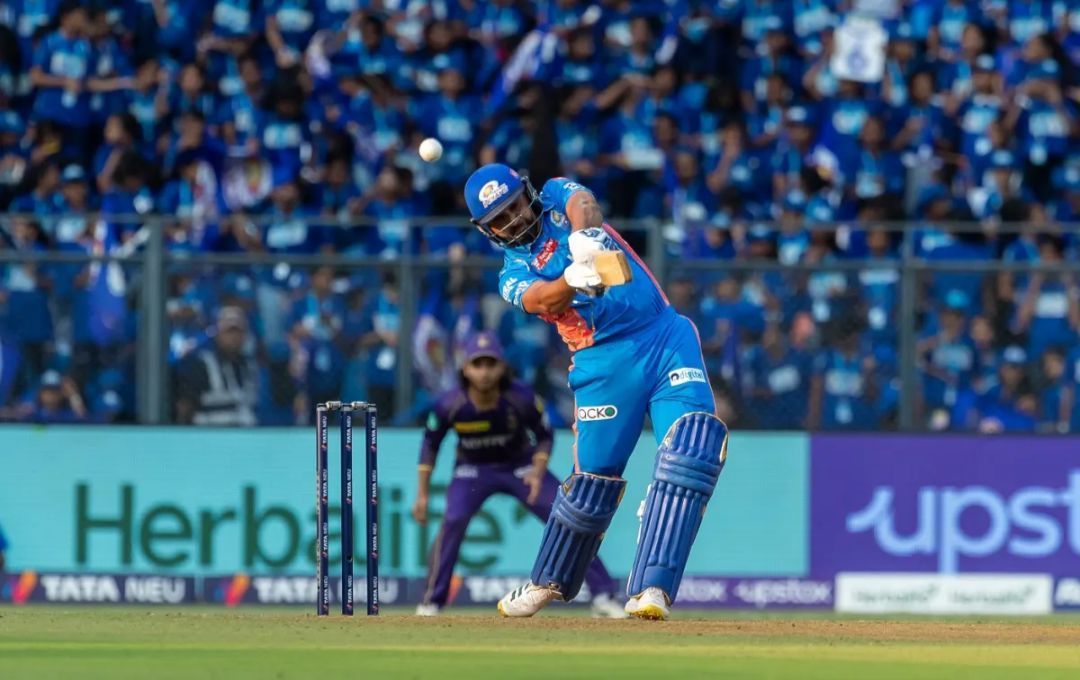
[632, 355]
[504, 442]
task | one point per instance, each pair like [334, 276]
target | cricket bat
[613, 268]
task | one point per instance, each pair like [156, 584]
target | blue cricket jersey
[588, 321]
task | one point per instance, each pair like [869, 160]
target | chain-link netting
[818, 329]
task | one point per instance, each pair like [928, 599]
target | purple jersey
[508, 433]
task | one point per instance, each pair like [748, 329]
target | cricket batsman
[632, 354]
[504, 442]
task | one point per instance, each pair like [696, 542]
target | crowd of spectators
[266, 126]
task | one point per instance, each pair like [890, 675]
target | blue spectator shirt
[880, 292]
[68, 58]
[234, 19]
[282, 141]
[333, 14]
[975, 117]
[383, 124]
[1030, 18]
[581, 72]
[29, 319]
[969, 283]
[955, 363]
[873, 175]
[292, 232]
[355, 57]
[512, 144]
[381, 359]
[951, 20]
[32, 15]
[997, 406]
[758, 15]
[143, 106]
[1050, 403]
[526, 339]
[392, 219]
[811, 19]
[243, 113]
[845, 405]
[295, 19]
[1044, 130]
[841, 125]
[787, 379]
[177, 35]
[1049, 325]
[453, 122]
[118, 201]
[108, 61]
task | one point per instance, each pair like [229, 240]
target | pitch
[124, 642]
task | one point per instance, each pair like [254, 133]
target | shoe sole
[507, 615]
[650, 612]
[604, 615]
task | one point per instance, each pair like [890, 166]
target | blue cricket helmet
[489, 191]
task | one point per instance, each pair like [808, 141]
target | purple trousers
[471, 486]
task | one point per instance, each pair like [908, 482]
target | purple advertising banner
[944, 503]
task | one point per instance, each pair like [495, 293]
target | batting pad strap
[688, 466]
[580, 515]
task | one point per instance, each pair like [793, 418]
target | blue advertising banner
[949, 504]
[207, 502]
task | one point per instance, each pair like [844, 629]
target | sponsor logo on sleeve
[491, 192]
[686, 375]
[546, 251]
[587, 413]
[508, 286]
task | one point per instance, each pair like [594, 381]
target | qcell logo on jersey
[491, 192]
[587, 413]
[546, 251]
[685, 375]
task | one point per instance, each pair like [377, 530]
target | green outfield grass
[124, 642]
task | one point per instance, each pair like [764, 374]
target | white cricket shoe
[604, 606]
[651, 604]
[526, 600]
[427, 610]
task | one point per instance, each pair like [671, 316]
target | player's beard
[530, 232]
[528, 235]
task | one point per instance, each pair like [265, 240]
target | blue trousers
[658, 370]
